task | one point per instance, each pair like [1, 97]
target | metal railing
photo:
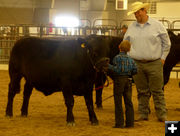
[9, 34]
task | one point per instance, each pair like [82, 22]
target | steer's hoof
[99, 107]
[9, 114]
[70, 124]
[96, 123]
[23, 115]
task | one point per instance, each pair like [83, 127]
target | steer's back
[43, 62]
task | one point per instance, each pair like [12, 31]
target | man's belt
[145, 61]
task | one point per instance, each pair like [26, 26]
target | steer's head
[100, 50]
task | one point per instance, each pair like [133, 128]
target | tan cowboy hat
[137, 6]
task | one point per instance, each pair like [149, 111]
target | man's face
[140, 15]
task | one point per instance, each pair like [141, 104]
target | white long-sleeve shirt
[148, 42]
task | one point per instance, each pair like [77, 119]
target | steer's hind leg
[90, 107]
[69, 101]
[14, 88]
[27, 93]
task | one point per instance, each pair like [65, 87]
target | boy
[123, 68]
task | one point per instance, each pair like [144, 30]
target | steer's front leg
[90, 107]
[69, 101]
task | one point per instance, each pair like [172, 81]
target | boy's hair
[125, 46]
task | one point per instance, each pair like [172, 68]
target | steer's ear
[82, 42]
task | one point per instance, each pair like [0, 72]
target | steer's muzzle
[102, 64]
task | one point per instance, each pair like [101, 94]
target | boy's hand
[105, 65]
[163, 61]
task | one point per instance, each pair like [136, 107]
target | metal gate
[6, 44]
[9, 34]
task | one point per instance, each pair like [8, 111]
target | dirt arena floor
[47, 115]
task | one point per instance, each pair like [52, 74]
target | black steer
[57, 65]
[173, 57]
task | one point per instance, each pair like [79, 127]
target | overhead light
[66, 21]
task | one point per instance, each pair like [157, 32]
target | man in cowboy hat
[150, 47]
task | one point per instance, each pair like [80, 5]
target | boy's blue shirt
[123, 65]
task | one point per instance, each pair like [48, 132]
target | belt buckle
[145, 61]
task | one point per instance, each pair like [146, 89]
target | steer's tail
[15, 78]
[14, 69]
[14, 87]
